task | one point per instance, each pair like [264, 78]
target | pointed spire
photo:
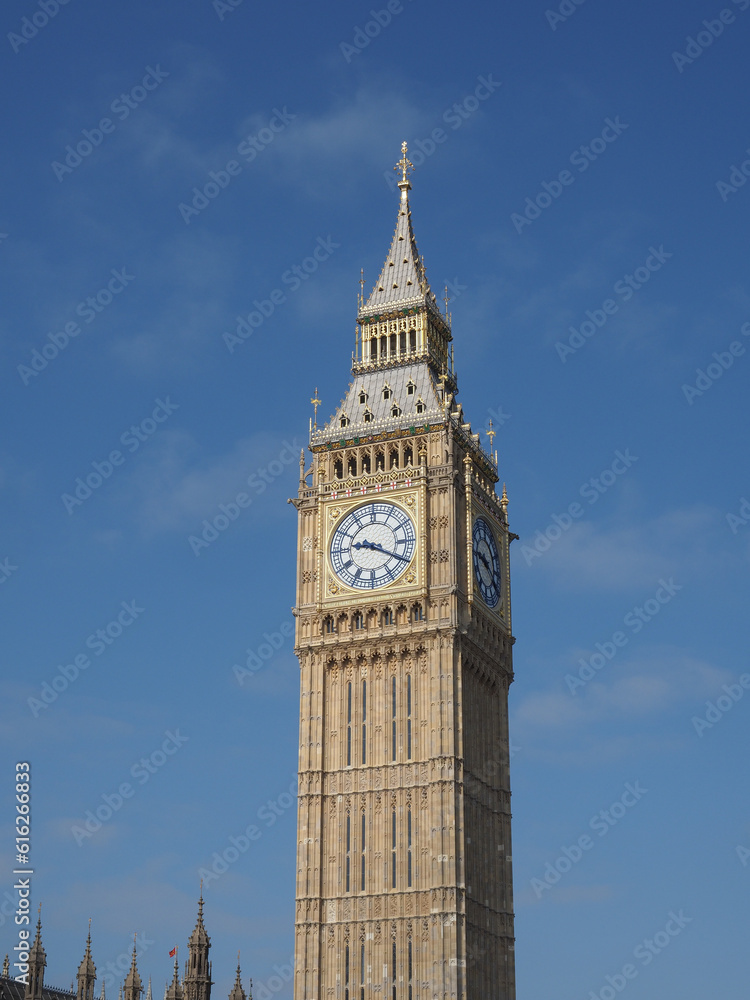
[197, 983]
[149, 995]
[86, 972]
[403, 280]
[37, 963]
[103, 995]
[6, 968]
[174, 991]
[133, 986]
[237, 992]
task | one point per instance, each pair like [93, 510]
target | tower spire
[86, 972]
[37, 963]
[197, 982]
[133, 986]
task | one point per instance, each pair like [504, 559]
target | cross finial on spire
[405, 166]
[491, 433]
[316, 403]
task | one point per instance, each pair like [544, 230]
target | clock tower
[403, 633]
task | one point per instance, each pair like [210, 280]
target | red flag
[172, 953]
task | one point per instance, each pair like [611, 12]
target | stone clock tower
[404, 884]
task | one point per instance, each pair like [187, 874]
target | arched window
[373, 348]
[402, 343]
[393, 340]
[417, 613]
[359, 620]
[413, 341]
[395, 411]
[367, 417]
[408, 456]
[362, 396]
[387, 617]
[387, 392]
[338, 469]
[352, 465]
[393, 459]
[344, 420]
[420, 406]
[328, 625]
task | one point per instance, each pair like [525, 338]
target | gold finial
[404, 165]
[491, 433]
[316, 403]
[361, 287]
[446, 299]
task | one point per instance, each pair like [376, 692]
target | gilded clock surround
[404, 873]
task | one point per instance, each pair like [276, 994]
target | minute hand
[377, 547]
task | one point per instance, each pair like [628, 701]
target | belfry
[403, 634]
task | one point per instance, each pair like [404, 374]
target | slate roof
[373, 383]
[403, 279]
[11, 990]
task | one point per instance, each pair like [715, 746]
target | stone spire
[37, 963]
[133, 986]
[175, 991]
[86, 973]
[6, 968]
[237, 992]
[197, 982]
[149, 995]
[103, 995]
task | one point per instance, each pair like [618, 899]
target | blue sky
[585, 199]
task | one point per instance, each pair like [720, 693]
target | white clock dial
[373, 545]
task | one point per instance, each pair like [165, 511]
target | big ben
[403, 634]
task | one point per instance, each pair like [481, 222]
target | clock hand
[377, 547]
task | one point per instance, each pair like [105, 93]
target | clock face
[486, 562]
[373, 545]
